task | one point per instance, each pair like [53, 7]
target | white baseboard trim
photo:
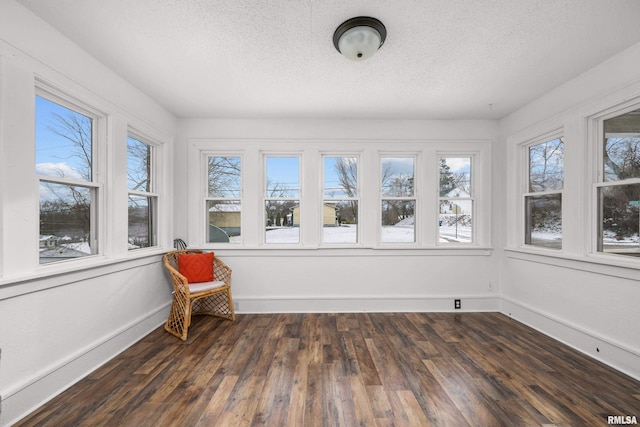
[359, 304]
[617, 355]
[43, 386]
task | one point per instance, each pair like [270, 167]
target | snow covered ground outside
[346, 234]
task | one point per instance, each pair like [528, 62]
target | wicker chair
[210, 298]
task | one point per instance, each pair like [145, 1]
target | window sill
[62, 273]
[356, 251]
[608, 265]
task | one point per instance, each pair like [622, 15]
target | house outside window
[282, 200]
[223, 201]
[456, 200]
[142, 200]
[618, 189]
[65, 167]
[543, 198]
[340, 200]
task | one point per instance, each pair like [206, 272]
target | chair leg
[179, 317]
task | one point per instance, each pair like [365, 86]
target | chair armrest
[221, 271]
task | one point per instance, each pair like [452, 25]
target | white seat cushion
[205, 286]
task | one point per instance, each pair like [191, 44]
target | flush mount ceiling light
[359, 38]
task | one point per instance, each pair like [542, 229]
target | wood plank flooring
[365, 369]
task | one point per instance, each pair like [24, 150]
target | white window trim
[98, 171]
[520, 155]
[300, 198]
[473, 156]
[418, 178]
[596, 154]
[369, 152]
[205, 196]
[526, 191]
[153, 195]
[357, 199]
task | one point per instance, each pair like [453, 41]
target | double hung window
[618, 192]
[340, 200]
[397, 199]
[224, 199]
[456, 201]
[65, 167]
[543, 199]
[143, 201]
[282, 199]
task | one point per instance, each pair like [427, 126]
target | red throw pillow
[196, 267]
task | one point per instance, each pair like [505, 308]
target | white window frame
[417, 188]
[369, 152]
[526, 192]
[341, 199]
[98, 168]
[206, 156]
[472, 156]
[597, 140]
[299, 198]
[152, 195]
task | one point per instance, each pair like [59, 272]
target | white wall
[59, 322]
[350, 279]
[585, 299]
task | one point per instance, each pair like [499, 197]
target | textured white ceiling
[449, 59]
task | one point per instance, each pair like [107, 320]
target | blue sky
[53, 152]
[286, 169]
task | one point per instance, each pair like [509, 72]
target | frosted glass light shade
[359, 43]
[359, 38]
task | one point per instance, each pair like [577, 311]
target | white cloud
[57, 170]
[458, 164]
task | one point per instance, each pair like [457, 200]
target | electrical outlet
[236, 306]
[457, 304]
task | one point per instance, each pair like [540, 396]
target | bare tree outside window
[340, 200]
[543, 201]
[142, 199]
[456, 201]
[64, 143]
[283, 208]
[223, 201]
[619, 193]
[398, 204]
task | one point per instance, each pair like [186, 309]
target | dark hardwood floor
[365, 369]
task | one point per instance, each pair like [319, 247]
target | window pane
[65, 222]
[224, 220]
[544, 221]
[546, 166]
[340, 177]
[619, 222]
[455, 223]
[63, 141]
[141, 228]
[622, 147]
[283, 177]
[283, 221]
[398, 221]
[224, 177]
[138, 165]
[455, 177]
[340, 217]
[340, 221]
[396, 175]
